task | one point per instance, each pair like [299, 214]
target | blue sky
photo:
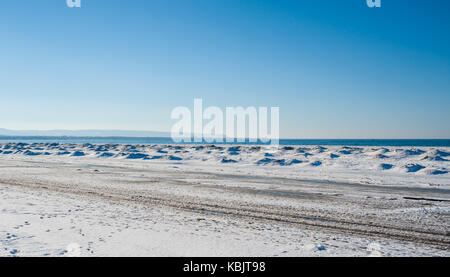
[336, 69]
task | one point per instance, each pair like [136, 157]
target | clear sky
[336, 68]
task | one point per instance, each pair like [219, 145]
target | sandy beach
[190, 200]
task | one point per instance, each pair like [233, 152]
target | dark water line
[285, 142]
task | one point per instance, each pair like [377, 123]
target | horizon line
[168, 137]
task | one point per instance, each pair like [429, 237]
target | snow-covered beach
[223, 200]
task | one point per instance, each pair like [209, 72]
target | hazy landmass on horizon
[84, 133]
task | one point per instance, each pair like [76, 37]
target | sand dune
[427, 166]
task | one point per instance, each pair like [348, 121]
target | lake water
[153, 140]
